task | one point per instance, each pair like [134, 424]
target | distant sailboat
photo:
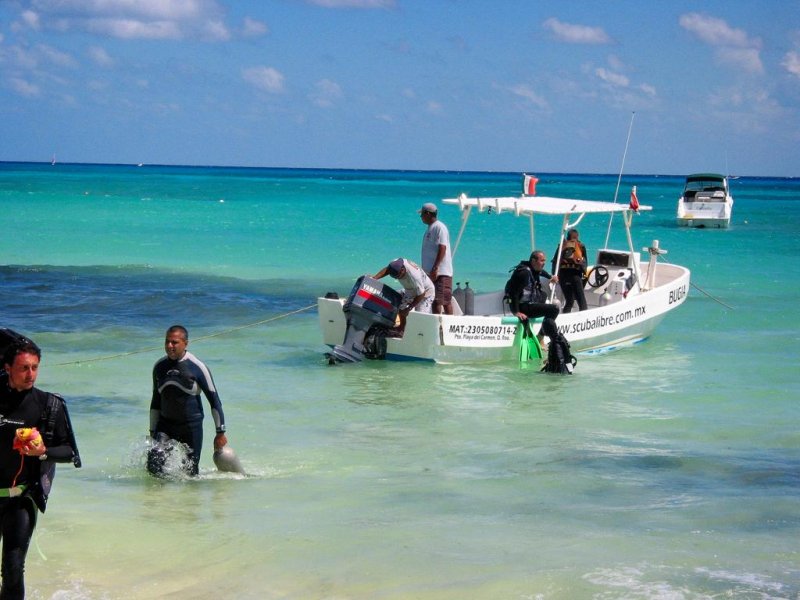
[53, 162]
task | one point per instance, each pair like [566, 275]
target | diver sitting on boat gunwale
[528, 298]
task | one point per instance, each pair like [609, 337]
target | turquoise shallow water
[667, 470]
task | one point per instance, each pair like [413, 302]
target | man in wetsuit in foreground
[176, 409]
[35, 433]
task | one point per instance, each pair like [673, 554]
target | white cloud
[616, 63]
[733, 46]
[132, 29]
[217, 31]
[327, 93]
[22, 58]
[648, 89]
[576, 34]
[267, 79]
[714, 31]
[353, 3]
[526, 92]
[56, 57]
[97, 86]
[791, 62]
[30, 59]
[133, 19]
[150, 10]
[24, 88]
[434, 107]
[31, 19]
[100, 57]
[254, 28]
[746, 109]
[616, 79]
[747, 59]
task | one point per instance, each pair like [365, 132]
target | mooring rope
[204, 337]
[702, 291]
[699, 289]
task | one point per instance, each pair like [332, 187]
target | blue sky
[505, 85]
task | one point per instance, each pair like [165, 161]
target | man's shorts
[444, 290]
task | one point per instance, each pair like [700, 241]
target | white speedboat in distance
[626, 297]
[706, 201]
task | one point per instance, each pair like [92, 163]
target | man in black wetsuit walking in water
[176, 409]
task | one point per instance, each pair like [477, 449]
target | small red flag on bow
[634, 200]
[529, 185]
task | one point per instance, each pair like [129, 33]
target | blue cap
[394, 267]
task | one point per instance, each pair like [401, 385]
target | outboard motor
[370, 305]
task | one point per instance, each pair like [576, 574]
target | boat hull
[706, 202]
[495, 336]
[699, 221]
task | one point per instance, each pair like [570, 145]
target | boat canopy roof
[702, 176]
[544, 205]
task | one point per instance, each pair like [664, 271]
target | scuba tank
[458, 296]
[469, 300]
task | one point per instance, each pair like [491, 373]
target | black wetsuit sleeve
[520, 279]
[155, 403]
[62, 447]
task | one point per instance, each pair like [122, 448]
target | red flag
[634, 200]
[529, 185]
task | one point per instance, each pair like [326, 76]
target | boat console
[611, 278]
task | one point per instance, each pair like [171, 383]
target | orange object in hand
[28, 440]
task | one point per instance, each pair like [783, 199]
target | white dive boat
[626, 297]
[706, 201]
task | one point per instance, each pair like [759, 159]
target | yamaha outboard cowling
[370, 304]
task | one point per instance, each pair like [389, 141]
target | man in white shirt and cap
[437, 260]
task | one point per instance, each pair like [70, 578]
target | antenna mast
[619, 179]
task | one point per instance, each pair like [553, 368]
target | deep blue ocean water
[667, 470]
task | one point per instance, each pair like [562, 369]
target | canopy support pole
[464, 218]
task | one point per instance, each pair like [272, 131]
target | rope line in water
[197, 339]
[705, 293]
[701, 290]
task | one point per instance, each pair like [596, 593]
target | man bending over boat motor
[176, 409]
[527, 297]
[418, 288]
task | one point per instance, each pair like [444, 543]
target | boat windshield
[704, 185]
